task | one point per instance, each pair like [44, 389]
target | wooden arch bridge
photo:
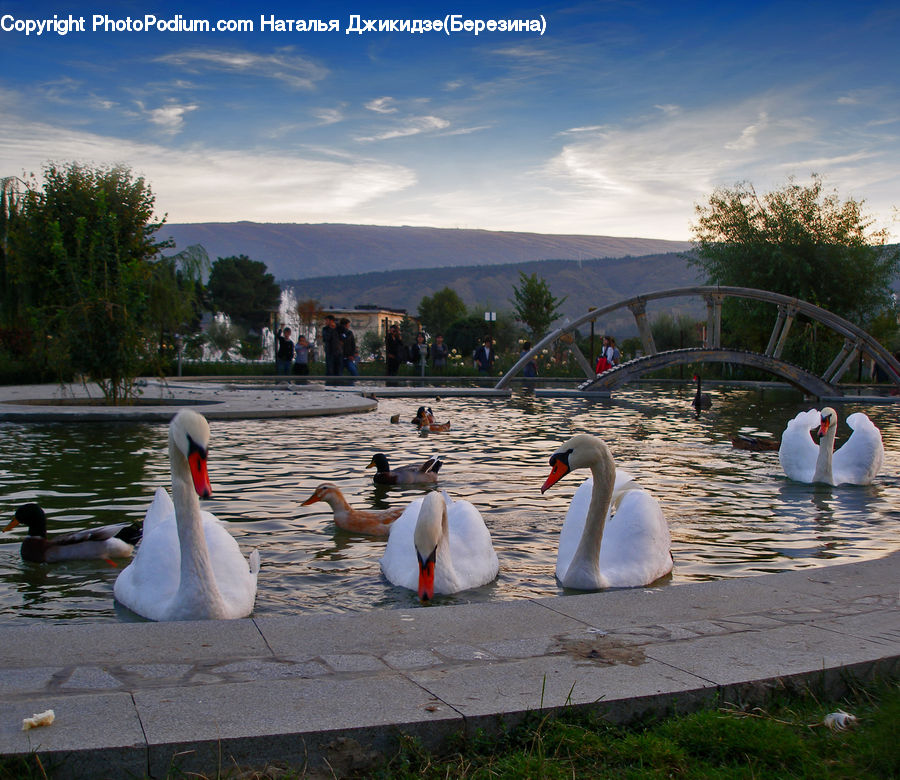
[856, 342]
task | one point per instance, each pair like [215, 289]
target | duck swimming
[373, 522]
[103, 543]
[404, 475]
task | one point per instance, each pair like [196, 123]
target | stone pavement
[160, 400]
[330, 691]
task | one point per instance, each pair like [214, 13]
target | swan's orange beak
[823, 428]
[426, 576]
[559, 469]
[197, 463]
[12, 524]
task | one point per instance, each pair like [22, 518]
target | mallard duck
[743, 441]
[188, 567]
[424, 421]
[108, 541]
[373, 522]
[404, 475]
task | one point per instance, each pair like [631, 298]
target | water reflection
[731, 512]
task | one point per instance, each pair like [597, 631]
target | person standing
[439, 353]
[349, 353]
[284, 352]
[419, 353]
[530, 368]
[302, 356]
[334, 356]
[394, 351]
[484, 356]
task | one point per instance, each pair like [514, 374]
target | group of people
[339, 344]
[609, 355]
[418, 353]
[342, 354]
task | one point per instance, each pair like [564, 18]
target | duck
[188, 566]
[424, 421]
[439, 546]
[857, 462]
[701, 400]
[372, 522]
[628, 549]
[744, 441]
[103, 543]
[404, 475]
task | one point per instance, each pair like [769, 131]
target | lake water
[732, 513]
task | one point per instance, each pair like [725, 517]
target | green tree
[534, 305]
[244, 290]
[798, 241]
[80, 258]
[439, 311]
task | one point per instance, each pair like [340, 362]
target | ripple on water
[731, 512]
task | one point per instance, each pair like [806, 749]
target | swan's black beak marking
[559, 467]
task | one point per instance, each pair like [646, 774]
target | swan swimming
[629, 549]
[187, 567]
[857, 462]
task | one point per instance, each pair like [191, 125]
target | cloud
[652, 170]
[170, 118]
[204, 183]
[293, 70]
[413, 126]
[382, 105]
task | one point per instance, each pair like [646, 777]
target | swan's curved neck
[823, 472]
[584, 571]
[198, 594]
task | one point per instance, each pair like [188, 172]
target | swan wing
[148, 584]
[235, 576]
[160, 510]
[860, 458]
[399, 563]
[471, 550]
[798, 452]
[573, 526]
[636, 542]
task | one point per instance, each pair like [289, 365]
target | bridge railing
[856, 340]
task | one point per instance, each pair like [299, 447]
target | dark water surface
[732, 513]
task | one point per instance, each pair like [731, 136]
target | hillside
[584, 283]
[301, 251]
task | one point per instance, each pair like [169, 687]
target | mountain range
[301, 251]
[343, 266]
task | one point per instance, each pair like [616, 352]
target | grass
[786, 739]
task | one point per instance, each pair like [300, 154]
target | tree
[534, 305]
[80, 257]
[309, 312]
[439, 311]
[801, 242]
[798, 241]
[244, 290]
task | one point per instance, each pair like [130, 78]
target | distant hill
[584, 283]
[301, 251]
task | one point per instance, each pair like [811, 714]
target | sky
[602, 118]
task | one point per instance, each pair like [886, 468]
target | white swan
[857, 462]
[626, 550]
[187, 567]
[439, 546]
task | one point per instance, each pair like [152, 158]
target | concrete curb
[324, 690]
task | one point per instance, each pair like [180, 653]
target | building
[371, 318]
